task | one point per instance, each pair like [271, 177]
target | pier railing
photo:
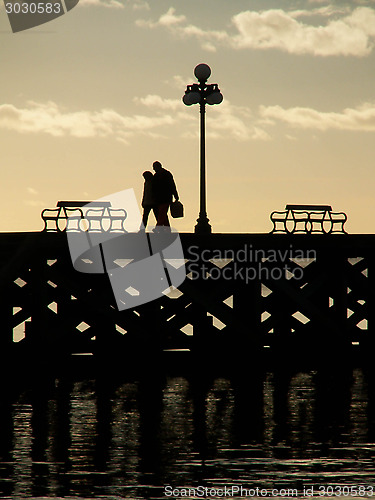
[244, 294]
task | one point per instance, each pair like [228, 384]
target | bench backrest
[67, 204]
[325, 208]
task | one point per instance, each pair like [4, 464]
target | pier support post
[246, 327]
[6, 329]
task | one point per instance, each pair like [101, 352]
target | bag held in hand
[177, 209]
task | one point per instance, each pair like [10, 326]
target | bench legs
[279, 218]
[51, 215]
[312, 222]
[339, 219]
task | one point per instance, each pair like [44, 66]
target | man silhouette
[164, 188]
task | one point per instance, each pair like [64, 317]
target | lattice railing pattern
[286, 303]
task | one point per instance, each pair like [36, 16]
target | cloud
[49, 118]
[136, 5]
[168, 118]
[361, 119]
[110, 4]
[225, 121]
[140, 5]
[177, 24]
[326, 11]
[235, 122]
[178, 82]
[167, 19]
[340, 32]
[155, 101]
[33, 202]
[160, 118]
[351, 35]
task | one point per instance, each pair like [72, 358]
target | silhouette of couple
[159, 188]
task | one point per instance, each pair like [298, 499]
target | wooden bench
[308, 219]
[76, 216]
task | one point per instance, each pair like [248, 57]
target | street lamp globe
[202, 72]
[214, 98]
[191, 98]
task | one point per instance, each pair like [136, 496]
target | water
[129, 438]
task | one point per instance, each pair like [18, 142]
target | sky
[91, 99]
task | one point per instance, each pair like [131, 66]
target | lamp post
[202, 93]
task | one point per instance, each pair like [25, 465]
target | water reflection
[129, 438]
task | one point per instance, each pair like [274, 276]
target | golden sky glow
[90, 100]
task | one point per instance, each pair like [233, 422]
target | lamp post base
[202, 226]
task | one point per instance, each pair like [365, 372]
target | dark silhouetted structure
[163, 189]
[288, 298]
[148, 200]
[202, 93]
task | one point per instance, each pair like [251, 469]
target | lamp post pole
[203, 94]
[203, 225]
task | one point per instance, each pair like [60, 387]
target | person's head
[157, 166]
[147, 175]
